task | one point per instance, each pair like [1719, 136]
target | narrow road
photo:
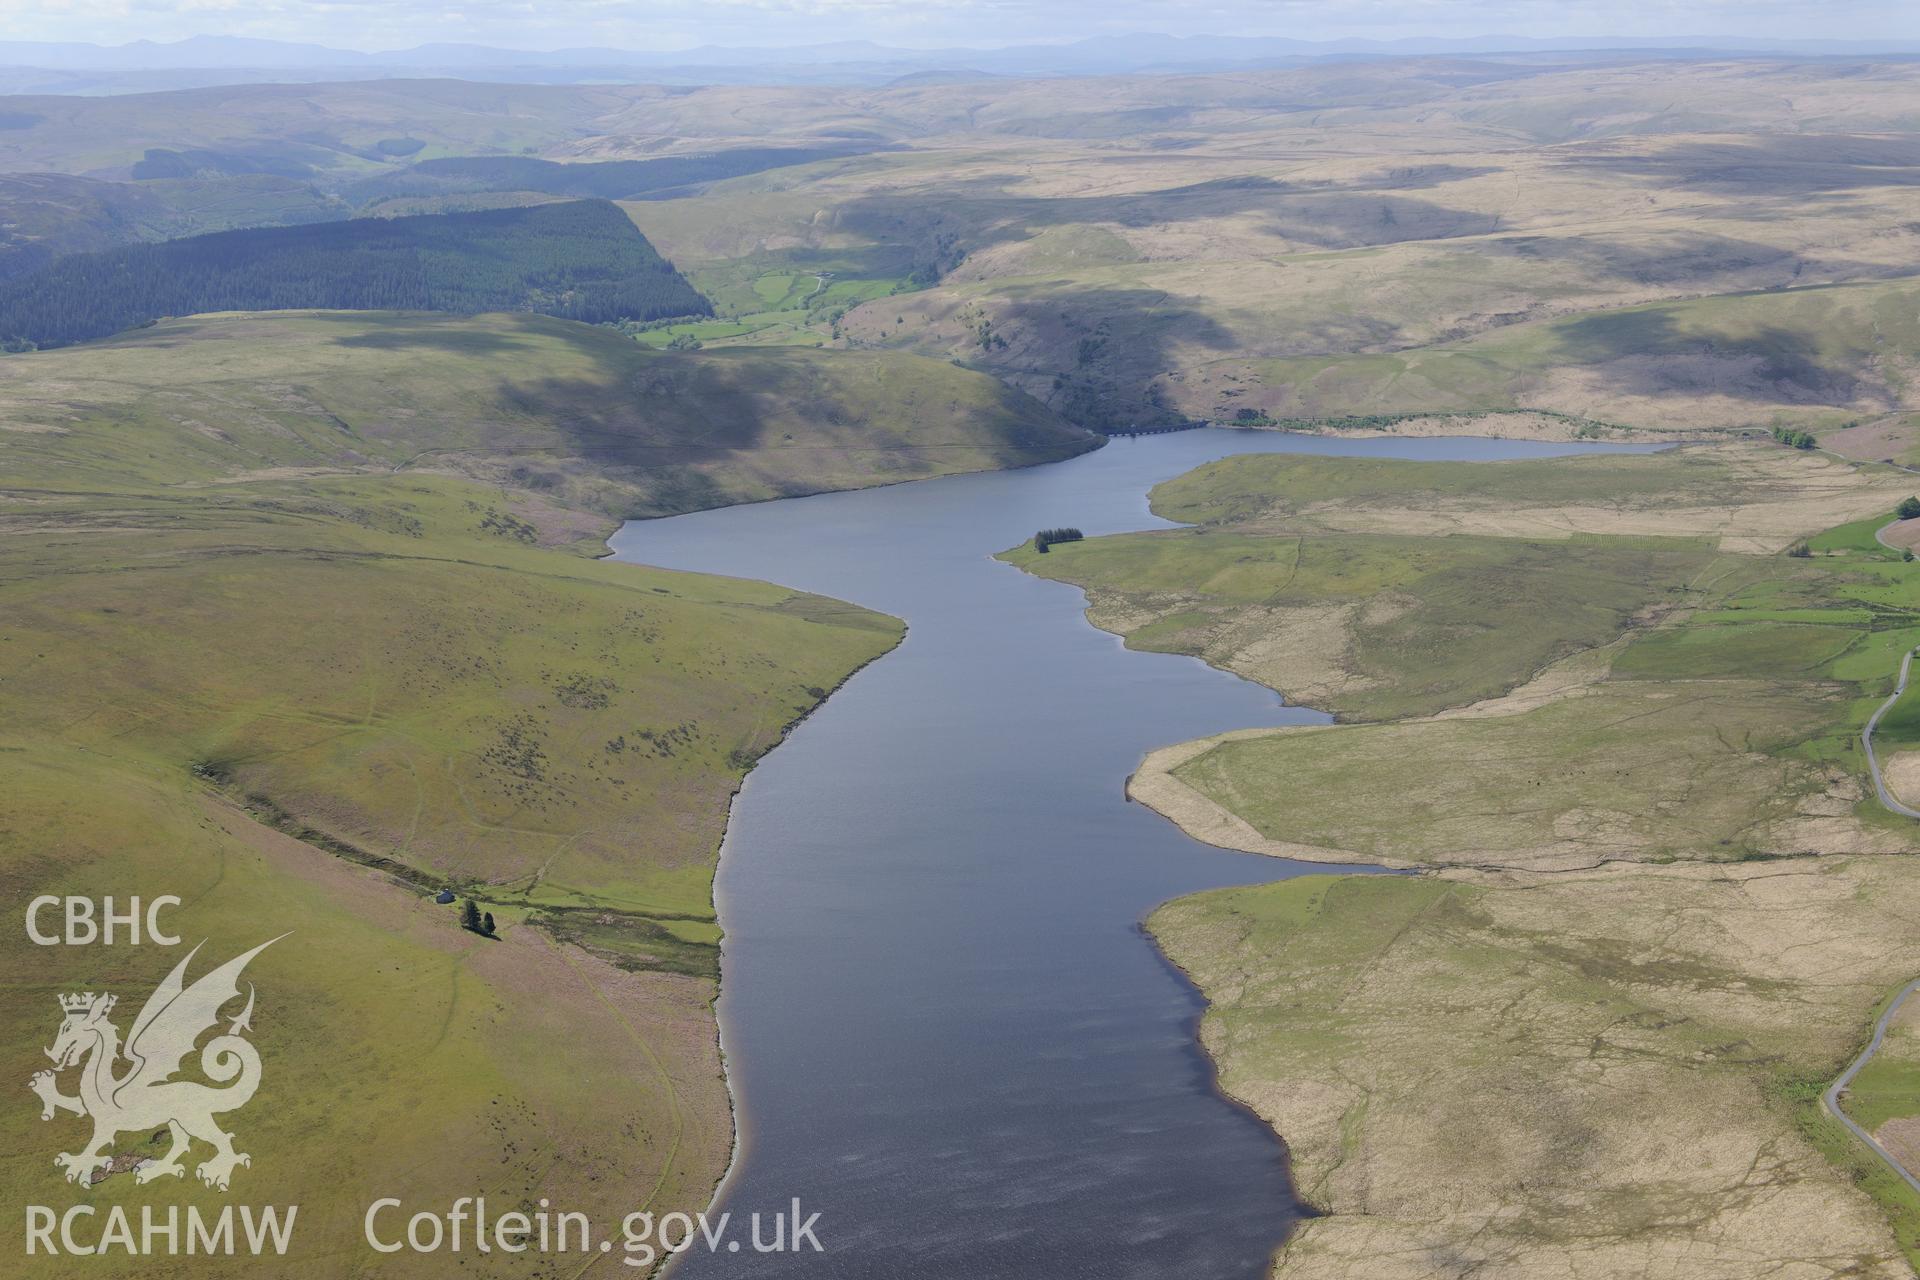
[1866, 741]
[1832, 1096]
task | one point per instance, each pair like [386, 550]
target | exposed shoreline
[1501, 424]
[1154, 785]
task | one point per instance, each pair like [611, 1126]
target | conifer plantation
[580, 261]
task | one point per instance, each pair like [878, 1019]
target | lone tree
[486, 924]
[1908, 508]
[470, 915]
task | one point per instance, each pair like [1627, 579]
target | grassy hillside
[298, 617]
[1610, 1071]
[1821, 357]
[1205, 272]
[1295, 491]
[45, 215]
[1330, 578]
[1368, 625]
[577, 413]
[1669, 905]
[305, 705]
[1497, 290]
[1632, 769]
[1750, 496]
[268, 645]
[1308, 243]
[1643, 763]
[583, 260]
[261, 651]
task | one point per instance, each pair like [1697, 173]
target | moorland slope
[576, 413]
[1355, 244]
[1659, 906]
[269, 644]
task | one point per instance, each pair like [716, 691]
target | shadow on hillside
[979, 215]
[1109, 352]
[1645, 353]
[435, 337]
[1782, 166]
[861, 262]
[1252, 99]
[669, 425]
[656, 432]
[1406, 178]
[1718, 264]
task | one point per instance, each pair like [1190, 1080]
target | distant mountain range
[91, 68]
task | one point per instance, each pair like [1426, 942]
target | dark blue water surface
[945, 1029]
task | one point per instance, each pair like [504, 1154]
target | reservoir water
[945, 1029]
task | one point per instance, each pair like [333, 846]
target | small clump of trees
[1908, 509]
[476, 920]
[1795, 439]
[1048, 537]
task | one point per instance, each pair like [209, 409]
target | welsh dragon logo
[143, 1096]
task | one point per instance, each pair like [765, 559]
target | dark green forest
[581, 261]
[604, 180]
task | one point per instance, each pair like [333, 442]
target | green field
[761, 305]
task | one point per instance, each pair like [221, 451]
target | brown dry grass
[1515, 1076]
[1891, 439]
[1902, 774]
[1767, 499]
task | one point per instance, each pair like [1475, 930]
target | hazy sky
[671, 24]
